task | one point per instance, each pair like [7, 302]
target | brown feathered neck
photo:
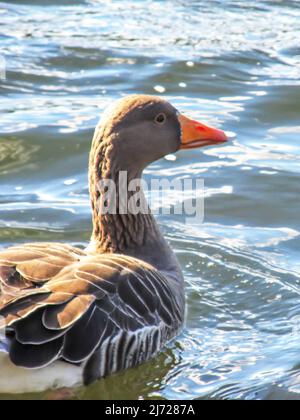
[116, 233]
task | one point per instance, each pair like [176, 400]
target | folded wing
[108, 311]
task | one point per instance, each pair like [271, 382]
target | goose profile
[71, 316]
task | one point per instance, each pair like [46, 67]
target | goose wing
[29, 266]
[108, 311]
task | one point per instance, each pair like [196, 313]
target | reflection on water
[235, 66]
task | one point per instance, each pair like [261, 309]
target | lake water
[233, 64]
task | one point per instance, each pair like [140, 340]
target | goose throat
[122, 219]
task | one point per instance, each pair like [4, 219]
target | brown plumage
[115, 304]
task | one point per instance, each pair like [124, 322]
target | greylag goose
[72, 316]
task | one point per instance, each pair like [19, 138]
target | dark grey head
[139, 129]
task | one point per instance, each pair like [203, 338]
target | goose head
[139, 129]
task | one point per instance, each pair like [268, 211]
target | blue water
[233, 64]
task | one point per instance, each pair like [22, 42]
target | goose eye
[160, 118]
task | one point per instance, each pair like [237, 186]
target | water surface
[234, 64]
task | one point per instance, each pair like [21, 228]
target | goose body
[72, 316]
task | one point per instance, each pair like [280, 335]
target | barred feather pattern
[105, 312]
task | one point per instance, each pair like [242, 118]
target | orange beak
[196, 134]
